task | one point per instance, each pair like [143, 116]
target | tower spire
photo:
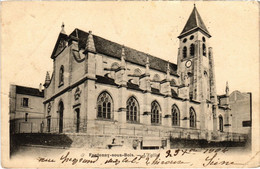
[147, 66]
[90, 45]
[62, 28]
[227, 89]
[47, 80]
[123, 65]
[194, 22]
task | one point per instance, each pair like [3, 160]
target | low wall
[75, 140]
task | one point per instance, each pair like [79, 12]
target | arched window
[155, 113]
[184, 52]
[204, 49]
[220, 118]
[175, 116]
[192, 118]
[105, 106]
[61, 75]
[115, 66]
[137, 74]
[156, 78]
[192, 49]
[132, 110]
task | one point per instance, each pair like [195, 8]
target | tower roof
[194, 23]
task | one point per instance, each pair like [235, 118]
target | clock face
[188, 64]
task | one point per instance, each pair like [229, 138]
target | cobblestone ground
[35, 151]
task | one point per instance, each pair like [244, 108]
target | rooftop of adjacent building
[29, 91]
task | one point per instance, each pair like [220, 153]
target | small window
[26, 117]
[25, 102]
[184, 52]
[204, 49]
[192, 118]
[156, 78]
[220, 118]
[191, 37]
[192, 49]
[205, 74]
[203, 39]
[61, 75]
[114, 67]
[184, 40]
[137, 74]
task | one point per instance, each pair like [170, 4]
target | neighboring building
[240, 104]
[26, 109]
[106, 91]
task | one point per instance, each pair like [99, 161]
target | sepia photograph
[130, 84]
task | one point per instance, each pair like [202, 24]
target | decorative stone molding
[77, 94]
[146, 113]
[121, 109]
[49, 108]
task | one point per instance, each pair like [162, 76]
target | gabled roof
[194, 23]
[29, 91]
[60, 45]
[106, 47]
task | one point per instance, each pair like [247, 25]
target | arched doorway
[77, 111]
[220, 118]
[61, 108]
[48, 124]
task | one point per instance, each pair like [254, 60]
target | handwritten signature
[169, 157]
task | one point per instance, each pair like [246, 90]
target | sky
[30, 30]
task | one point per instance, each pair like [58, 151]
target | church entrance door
[61, 108]
[48, 124]
[77, 119]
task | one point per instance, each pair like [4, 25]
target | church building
[116, 95]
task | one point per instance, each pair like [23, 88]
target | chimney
[40, 87]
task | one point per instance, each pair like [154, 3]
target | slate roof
[29, 91]
[194, 22]
[106, 47]
[222, 96]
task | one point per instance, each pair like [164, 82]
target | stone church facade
[103, 89]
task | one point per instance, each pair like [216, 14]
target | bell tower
[195, 59]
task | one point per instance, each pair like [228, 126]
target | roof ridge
[26, 87]
[125, 46]
[196, 15]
